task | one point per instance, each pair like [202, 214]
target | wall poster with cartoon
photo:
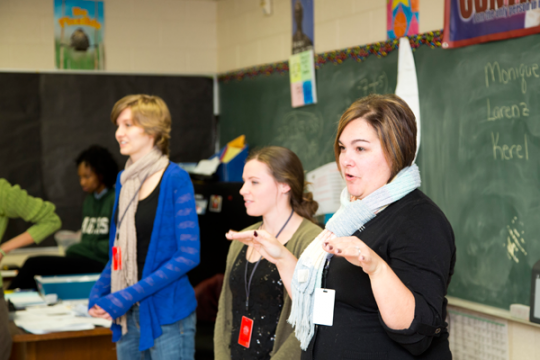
[78, 34]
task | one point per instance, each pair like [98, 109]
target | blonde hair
[149, 112]
[286, 168]
[394, 123]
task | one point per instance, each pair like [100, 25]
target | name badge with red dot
[246, 328]
[117, 258]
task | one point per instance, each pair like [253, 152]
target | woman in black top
[388, 254]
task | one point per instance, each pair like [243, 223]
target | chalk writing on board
[377, 85]
[494, 73]
[513, 111]
[302, 132]
[515, 242]
[509, 151]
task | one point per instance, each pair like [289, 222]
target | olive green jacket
[16, 203]
[286, 346]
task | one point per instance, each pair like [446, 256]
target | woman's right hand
[98, 312]
[265, 244]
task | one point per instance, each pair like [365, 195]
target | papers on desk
[326, 186]
[61, 317]
[207, 167]
[23, 299]
[8, 273]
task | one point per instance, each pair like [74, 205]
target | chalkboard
[479, 151]
[46, 120]
[261, 108]
[479, 161]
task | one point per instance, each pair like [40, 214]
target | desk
[80, 345]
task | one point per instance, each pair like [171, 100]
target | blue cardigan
[164, 293]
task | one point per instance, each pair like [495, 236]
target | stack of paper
[233, 148]
[23, 299]
[61, 317]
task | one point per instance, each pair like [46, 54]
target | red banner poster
[468, 22]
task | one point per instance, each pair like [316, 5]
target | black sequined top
[265, 304]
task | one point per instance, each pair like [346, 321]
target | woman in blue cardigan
[154, 241]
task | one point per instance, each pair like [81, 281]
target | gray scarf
[346, 221]
[131, 179]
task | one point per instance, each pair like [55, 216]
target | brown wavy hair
[149, 112]
[394, 123]
[286, 168]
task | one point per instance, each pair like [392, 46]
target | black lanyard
[247, 285]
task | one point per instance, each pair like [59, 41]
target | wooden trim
[487, 310]
[26, 337]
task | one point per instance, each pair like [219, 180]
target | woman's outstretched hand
[355, 251]
[271, 249]
[264, 243]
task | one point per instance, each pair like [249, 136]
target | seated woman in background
[387, 255]
[97, 172]
[274, 188]
[144, 288]
[16, 203]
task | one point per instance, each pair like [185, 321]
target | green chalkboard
[261, 108]
[481, 127]
[478, 157]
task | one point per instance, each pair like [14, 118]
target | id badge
[323, 307]
[117, 258]
[246, 328]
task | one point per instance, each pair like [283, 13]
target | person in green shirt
[97, 172]
[16, 203]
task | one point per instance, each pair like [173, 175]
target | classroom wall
[196, 36]
[247, 37]
[143, 36]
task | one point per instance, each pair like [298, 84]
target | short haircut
[393, 121]
[149, 112]
[101, 162]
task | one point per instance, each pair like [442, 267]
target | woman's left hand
[98, 312]
[354, 251]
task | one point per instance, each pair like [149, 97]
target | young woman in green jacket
[16, 203]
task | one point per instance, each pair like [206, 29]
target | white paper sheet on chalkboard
[326, 186]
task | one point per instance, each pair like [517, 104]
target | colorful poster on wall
[302, 75]
[302, 27]
[402, 17]
[468, 22]
[78, 34]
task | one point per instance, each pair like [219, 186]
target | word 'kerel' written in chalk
[509, 152]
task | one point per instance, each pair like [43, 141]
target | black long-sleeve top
[416, 240]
